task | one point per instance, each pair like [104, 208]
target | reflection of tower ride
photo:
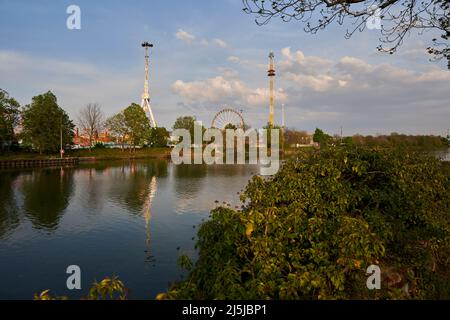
[148, 215]
[146, 95]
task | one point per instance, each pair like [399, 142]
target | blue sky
[209, 54]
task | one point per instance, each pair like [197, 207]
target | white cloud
[184, 36]
[216, 89]
[353, 73]
[366, 97]
[220, 43]
[190, 39]
[234, 59]
[318, 92]
[74, 83]
[247, 63]
[321, 82]
[228, 73]
[260, 97]
[227, 89]
[12, 60]
[298, 62]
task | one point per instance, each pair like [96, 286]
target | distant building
[83, 139]
[302, 139]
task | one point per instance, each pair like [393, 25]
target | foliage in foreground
[108, 288]
[396, 18]
[311, 231]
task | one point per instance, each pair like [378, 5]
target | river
[128, 219]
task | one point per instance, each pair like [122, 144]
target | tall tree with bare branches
[90, 121]
[397, 18]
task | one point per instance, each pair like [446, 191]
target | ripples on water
[125, 219]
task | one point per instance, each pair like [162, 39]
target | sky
[209, 55]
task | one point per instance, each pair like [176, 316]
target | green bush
[107, 289]
[99, 145]
[311, 231]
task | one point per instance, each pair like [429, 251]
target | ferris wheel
[228, 119]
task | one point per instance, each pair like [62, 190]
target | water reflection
[152, 188]
[129, 186]
[133, 186]
[116, 218]
[9, 218]
[188, 180]
[94, 189]
[46, 194]
[198, 187]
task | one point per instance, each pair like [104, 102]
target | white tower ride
[145, 104]
[271, 75]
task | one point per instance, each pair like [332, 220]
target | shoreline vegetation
[93, 155]
[291, 137]
[312, 230]
[104, 154]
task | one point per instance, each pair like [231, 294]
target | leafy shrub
[311, 231]
[108, 288]
[99, 145]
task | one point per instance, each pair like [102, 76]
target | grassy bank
[116, 154]
[98, 154]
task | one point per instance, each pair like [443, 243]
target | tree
[398, 18]
[138, 125]
[9, 118]
[42, 121]
[293, 137]
[321, 137]
[269, 127]
[230, 126]
[159, 137]
[313, 229]
[441, 50]
[90, 121]
[348, 141]
[118, 128]
[185, 122]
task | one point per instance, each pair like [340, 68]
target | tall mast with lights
[146, 95]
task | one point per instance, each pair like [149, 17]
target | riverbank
[118, 154]
[31, 163]
[35, 159]
[93, 155]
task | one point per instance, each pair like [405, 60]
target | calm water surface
[124, 219]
